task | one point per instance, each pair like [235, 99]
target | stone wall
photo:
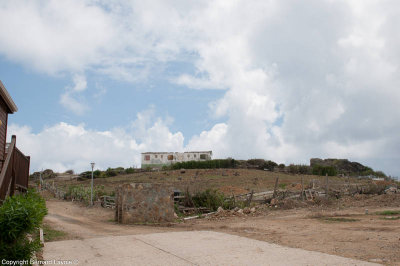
[144, 203]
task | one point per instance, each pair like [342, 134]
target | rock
[392, 190]
[240, 211]
[220, 209]
[376, 260]
[274, 201]
[253, 210]
[46, 174]
[236, 209]
[246, 210]
[183, 171]
[175, 215]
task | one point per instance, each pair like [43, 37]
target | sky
[102, 81]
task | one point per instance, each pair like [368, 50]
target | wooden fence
[15, 171]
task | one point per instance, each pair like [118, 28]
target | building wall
[157, 159]
[3, 131]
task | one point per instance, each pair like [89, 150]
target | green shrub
[269, 165]
[292, 169]
[255, 162]
[299, 169]
[97, 174]
[211, 199]
[81, 193]
[324, 170]
[88, 174]
[389, 212]
[380, 174]
[219, 163]
[19, 216]
[166, 167]
[111, 172]
[130, 170]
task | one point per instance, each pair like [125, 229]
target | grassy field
[229, 181]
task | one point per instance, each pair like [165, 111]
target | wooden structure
[14, 165]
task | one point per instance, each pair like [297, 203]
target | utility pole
[91, 189]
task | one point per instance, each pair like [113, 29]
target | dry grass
[239, 180]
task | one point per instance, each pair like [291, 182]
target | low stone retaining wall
[144, 203]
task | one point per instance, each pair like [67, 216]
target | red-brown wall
[3, 130]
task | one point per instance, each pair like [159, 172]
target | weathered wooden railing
[108, 202]
[15, 171]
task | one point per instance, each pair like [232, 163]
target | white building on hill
[159, 159]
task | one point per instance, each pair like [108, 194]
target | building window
[162, 156]
[195, 155]
[155, 156]
[188, 155]
[147, 157]
[170, 157]
[203, 156]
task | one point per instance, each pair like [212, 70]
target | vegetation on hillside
[211, 164]
[20, 215]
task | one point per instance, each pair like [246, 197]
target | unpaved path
[369, 237]
[82, 222]
[292, 228]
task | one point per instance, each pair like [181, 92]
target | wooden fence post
[250, 198]
[326, 185]
[275, 187]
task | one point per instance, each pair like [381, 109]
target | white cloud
[316, 78]
[72, 99]
[80, 83]
[68, 101]
[64, 146]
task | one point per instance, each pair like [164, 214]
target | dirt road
[368, 237]
[186, 248]
[82, 222]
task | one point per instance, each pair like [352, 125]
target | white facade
[158, 159]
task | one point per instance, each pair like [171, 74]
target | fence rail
[15, 171]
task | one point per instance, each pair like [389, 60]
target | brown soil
[361, 236]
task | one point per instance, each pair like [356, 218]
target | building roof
[7, 99]
[176, 152]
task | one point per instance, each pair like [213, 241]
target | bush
[111, 172]
[88, 174]
[373, 189]
[19, 216]
[130, 170]
[299, 169]
[211, 199]
[82, 193]
[166, 167]
[226, 163]
[255, 162]
[324, 170]
[71, 172]
[269, 165]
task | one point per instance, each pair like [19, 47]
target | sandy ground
[369, 238]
